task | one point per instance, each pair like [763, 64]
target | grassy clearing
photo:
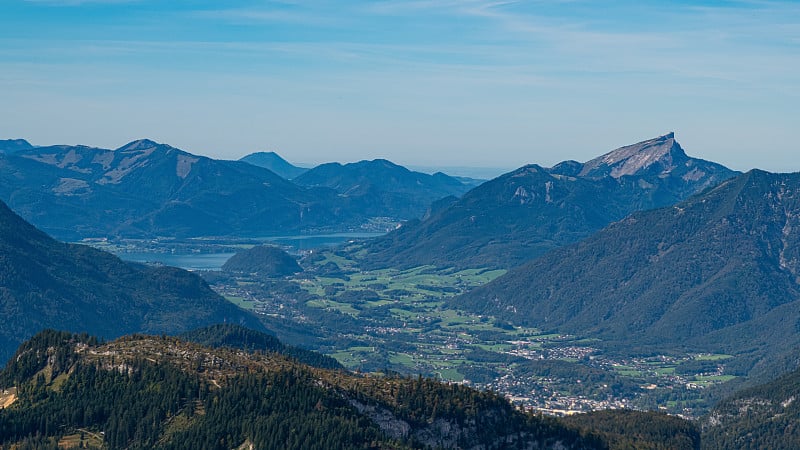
[627, 371]
[8, 397]
[500, 348]
[410, 285]
[240, 302]
[712, 357]
[58, 382]
[714, 378]
[82, 439]
[353, 358]
[450, 375]
[378, 303]
[330, 304]
[403, 359]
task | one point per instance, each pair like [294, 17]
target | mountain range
[45, 284]
[718, 272]
[715, 271]
[525, 213]
[147, 189]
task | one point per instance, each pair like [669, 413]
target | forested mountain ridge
[525, 213]
[717, 272]
[161, 392]
[45, 283]
[381, 187]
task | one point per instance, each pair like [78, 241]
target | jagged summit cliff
[662, 154]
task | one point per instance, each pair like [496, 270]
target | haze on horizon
[422, 82]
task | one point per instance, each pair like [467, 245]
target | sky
[469, 83]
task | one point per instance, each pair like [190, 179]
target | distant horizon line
[479, 172]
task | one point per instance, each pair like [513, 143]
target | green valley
[400, 320]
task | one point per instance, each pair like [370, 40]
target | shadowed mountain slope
[45, 283]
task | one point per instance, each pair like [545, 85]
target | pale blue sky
[420, 82]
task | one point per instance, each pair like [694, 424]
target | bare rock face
[663, 153]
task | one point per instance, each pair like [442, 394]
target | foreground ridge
[144, 391]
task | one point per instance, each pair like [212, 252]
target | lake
[188, 261]
[312, 241]
[214, 261]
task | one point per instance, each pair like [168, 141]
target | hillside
[764, 416]
[275, 163]
[380, 187]
[45, 283]
[650, 430]
[718, 272]
[265, 260]
[160, 392]
[525, 213]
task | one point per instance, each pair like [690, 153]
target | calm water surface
[214, 261]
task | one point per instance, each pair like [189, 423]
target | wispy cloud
[80, 2]
[417, 66]
[268, 15]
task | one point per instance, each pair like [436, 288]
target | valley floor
[398, 320]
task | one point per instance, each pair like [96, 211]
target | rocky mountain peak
[662, 152]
